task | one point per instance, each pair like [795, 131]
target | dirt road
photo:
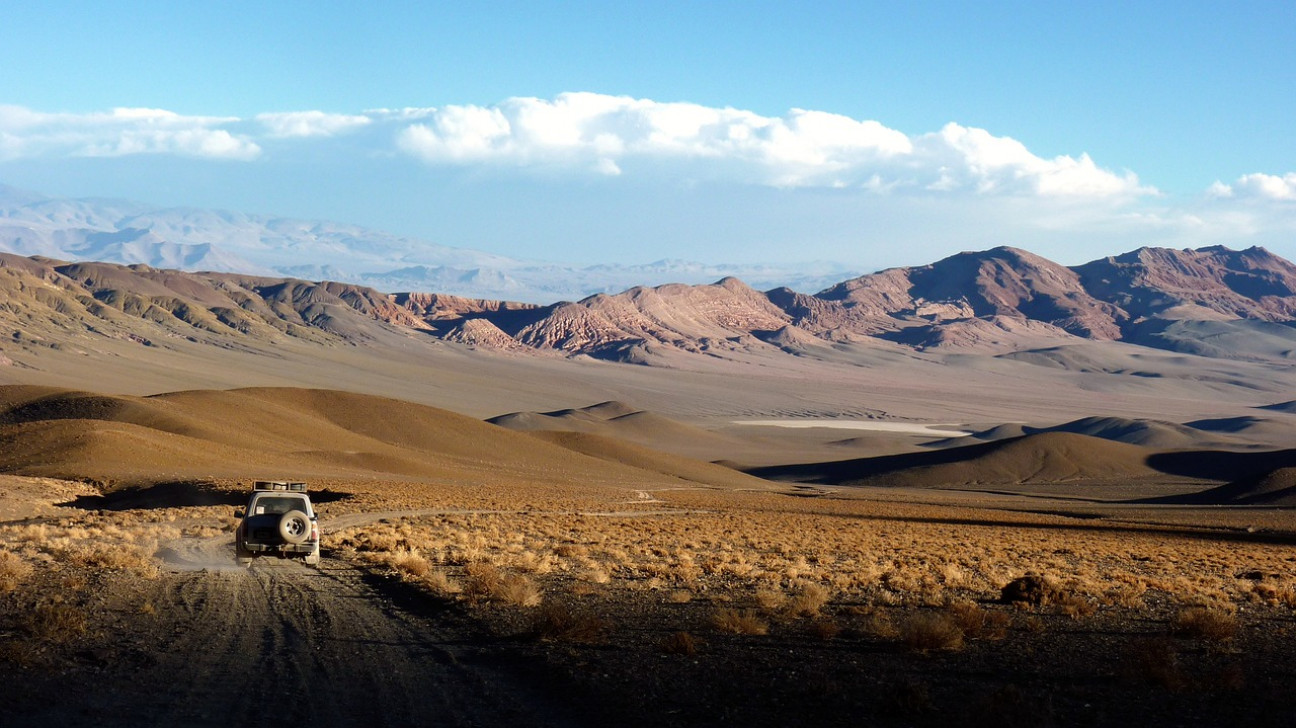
[285, 644]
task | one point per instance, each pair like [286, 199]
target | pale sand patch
[908, 428]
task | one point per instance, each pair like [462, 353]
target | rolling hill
[120, 441]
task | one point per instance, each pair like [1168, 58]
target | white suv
[278, 520]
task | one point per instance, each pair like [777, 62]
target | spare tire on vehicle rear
[294, 527]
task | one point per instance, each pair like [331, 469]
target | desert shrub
[559, 623]
[1029, 589]
[734, 621]
[13, 571]
[927, 631]
[1206, 623]
[680, 643]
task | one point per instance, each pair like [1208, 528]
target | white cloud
[290, 124]
[970, 158]
[1260, 186]
[803, 148]
[599, 134]
[125, 131]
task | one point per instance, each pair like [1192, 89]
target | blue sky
[869, 133]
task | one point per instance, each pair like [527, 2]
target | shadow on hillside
[1220, 465]
[178, 494]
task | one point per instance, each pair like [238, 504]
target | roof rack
[293, 486]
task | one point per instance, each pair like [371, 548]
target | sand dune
[123, 441]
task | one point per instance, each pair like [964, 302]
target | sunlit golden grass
[795, 562]
[794, 558]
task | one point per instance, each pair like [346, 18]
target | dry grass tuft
[879, 625]
[125, 557]
[1073, 605]
[770, 599]
[21, 652]
[808, 600]
[55, 621]
[733, 621]
[483, 580]
[408, 562]
[440, 583]
[488, 583]
[1205, 623]
[13, 571]
[927, 631]
[520, 591]
[978, 623]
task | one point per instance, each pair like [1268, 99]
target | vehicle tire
[294, 527]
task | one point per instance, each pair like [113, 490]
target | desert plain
[967, 517]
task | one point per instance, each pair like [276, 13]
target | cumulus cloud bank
[1259, 186]
[599, 134]
[800, 149]
[123, 131]
[610, 135]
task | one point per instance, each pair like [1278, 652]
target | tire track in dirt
[286, 644]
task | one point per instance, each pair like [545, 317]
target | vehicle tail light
[314, 531]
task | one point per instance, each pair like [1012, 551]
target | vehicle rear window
[276, 505]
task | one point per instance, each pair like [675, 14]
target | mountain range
[190, 239]
[1214, 302]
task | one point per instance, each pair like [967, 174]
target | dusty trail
[287, 644]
